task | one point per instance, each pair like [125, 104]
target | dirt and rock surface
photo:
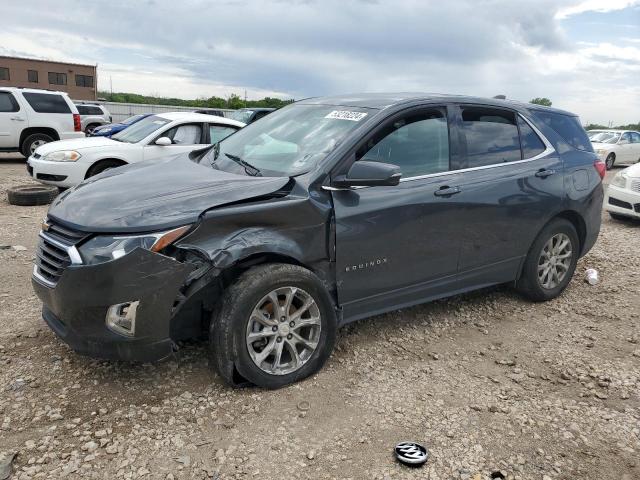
[494, 386]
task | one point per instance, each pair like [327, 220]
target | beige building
[79, 81]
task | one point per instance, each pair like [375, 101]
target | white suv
[30, 118]
[92, 116]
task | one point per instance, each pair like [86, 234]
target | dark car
[325, 212]
[113, 128]
[249, 115]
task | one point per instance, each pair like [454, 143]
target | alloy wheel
[554, 261]
[35, 145]
[283, 330]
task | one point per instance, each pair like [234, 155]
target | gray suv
[324, 212]
[93, 116]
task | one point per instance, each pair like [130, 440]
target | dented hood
[155, 195]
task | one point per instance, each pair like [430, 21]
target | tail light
[77, 125]
[601, 168]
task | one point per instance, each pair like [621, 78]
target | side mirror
[163, 141]
[369, 174]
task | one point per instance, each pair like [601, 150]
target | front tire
[551, 262]
[274, 326]
[103, 166]
[32, 142]
[611, 159]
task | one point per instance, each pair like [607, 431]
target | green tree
[541, 101]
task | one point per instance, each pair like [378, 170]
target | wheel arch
[102, 160]
[52, 132]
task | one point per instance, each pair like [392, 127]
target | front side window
[491, 136]
[531, 143]
[287, 142]
[47, 102]
[417, 143]
[84, 81]
[8, 103]
[56, 78]
[626, 138]
[32, 76]
[220, 132]
[141, 130]
[4, 73]
[635, 137]
[190, 134]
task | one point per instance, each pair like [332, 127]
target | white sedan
[623, 194]
[620, 147]
[66, 163]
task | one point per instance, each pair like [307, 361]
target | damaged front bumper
[76, 307]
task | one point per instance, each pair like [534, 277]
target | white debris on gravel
[492, 385]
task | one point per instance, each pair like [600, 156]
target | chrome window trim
[74, 255]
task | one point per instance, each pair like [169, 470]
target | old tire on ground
[32, 142]
[103, 166]
[293, 338]
[30, 195]
[551, 261]
[611, 159]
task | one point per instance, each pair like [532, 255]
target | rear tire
[103, 166]
[31, 195]
[611, 159]
[32, 142]
[547, 269]
[90, 128]
[233, 325]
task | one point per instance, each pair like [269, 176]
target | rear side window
[89, 110]
[47, 103]
[567, 127]
[491, 136]
[8, 103]
[530, 141]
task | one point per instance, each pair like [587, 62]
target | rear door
[635, 147]
[510, 181]
[184, 139]
[398, 245]
[626, 150]
[12, 120]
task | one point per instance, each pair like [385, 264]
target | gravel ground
[494, 386]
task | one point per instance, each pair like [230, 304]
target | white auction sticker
[346, 115]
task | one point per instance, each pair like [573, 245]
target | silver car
[92, 116]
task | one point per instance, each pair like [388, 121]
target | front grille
[635, 185]
[619, 203]
[52, 256]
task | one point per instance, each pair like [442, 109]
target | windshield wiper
[250, 169]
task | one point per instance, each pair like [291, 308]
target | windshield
[133, 119]
[288, 142]
[141, 129]
[241, 115]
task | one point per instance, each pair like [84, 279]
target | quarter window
[219, 132]
[569, 128]
[8, 103]
[491, 136]
[4, 73]
[529, 140]
[47, 102]
[418, 144]
[57, 78]
[84, 81]
[190, 134]
[32, 76]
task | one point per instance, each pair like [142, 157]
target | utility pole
[245, 98]
[111, 86]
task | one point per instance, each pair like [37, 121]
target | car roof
[34, 90]
[613, 130]
[196, 117]
[385, 100]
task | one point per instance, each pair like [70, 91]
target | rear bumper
[622, 201]
[75, 308]
[71, 135]
[592, 218]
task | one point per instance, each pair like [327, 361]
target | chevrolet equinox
[324, 212]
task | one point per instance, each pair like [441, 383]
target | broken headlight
[104, 248]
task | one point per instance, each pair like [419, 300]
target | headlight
[600, 151]
[104, 248]
[103, 130]
[62, 156]
[620, 180]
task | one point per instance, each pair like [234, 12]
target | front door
[184, 139]
[398, 245]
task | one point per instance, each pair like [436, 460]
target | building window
[32, 76]
[84, 81]
[57, 78]
[4, 73]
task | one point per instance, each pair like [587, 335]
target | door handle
[17, 119]
[445, 191]
[544, 173]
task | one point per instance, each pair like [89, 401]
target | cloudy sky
[584, 55]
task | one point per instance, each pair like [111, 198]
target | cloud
[601, 6]
[198, 48]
